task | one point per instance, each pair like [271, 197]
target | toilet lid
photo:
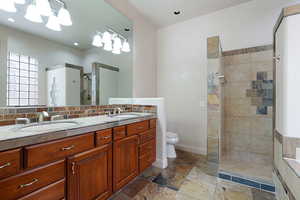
[171, 135]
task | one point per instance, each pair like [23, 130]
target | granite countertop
[14, 136]
[294, 165]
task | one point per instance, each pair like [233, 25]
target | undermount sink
[125, 116]
[47, 126]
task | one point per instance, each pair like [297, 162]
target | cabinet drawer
[10, 163]
[148, 135]
[44, 153]
[147, 147]
[152, 123]
[119, 132]
[103, 137]
[30, 181]
[55, 191]
[138, 127]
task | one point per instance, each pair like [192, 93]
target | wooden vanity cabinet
[125, 162]
[89, 174]
[89, 166]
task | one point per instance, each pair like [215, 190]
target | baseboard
[195, 150]
[161, 163]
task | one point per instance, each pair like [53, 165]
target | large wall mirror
[63, 53]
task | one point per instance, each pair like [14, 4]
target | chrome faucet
[42, 116]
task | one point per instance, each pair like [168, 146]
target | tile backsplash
[9, 115]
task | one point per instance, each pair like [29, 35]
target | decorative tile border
[247, 50]
[245, 181]
[9, 115]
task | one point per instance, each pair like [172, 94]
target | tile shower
[240, 110]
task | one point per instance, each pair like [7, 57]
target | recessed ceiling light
[76, 43]
[177, 12]
[11, 20]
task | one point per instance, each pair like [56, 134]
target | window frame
[30, 67]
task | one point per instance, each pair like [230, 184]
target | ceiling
[160, 12]
[89, 16]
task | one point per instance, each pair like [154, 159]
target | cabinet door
[125, 161]
[90, 174]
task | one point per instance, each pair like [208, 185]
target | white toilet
[172, 139]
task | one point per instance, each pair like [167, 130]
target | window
[22, 80]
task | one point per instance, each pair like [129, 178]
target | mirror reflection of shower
[87, 89]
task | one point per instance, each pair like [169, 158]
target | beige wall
[144, 51]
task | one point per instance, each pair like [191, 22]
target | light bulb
[117, 43]
[97, 41]
[53, 23]
[8, 6]
[64, 17]
[108, 46]
[32, 14]
[20, 1]
[43, 6]
[126, 47]
[106, 37]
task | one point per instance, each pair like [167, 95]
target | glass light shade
[117, 43]
[53, 23]
[108, 46]
[20, 1]
[106, 37]
[116, 51]
[126, 47]
[44, 7]
[64, 17]
[8, 6]
[97, 41]
[32, 14]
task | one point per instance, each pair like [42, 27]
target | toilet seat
[172, 135]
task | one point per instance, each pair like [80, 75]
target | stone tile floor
[188, 177]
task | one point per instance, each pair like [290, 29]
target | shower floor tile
[249, 165]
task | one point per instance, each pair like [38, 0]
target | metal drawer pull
[67, 148]
[106, 137]
[5, 165]
[29, 184]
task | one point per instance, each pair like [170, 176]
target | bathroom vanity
[85, 162]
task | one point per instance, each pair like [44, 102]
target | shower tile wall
[247, 101]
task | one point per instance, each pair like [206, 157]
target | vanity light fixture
[97, 41]
[76, 43]
[20, 2]
[32, 14]
[8, 6]
[112, 41]
[53, 23]
[44, 7]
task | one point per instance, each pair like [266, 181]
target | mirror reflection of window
[22, 80]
